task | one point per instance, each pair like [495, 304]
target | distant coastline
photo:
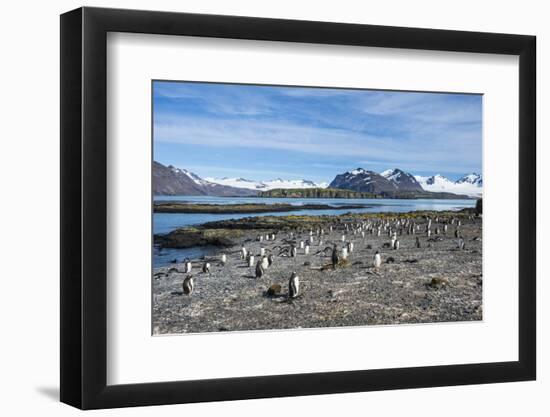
[252, 208]
[340, 193]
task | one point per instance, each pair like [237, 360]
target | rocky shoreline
[440, 281]
[248, 208]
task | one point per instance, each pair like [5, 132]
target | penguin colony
[366, 242]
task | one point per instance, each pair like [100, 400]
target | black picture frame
[84, 207]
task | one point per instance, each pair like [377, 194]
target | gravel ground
[435, 283]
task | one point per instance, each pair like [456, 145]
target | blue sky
[263, 132]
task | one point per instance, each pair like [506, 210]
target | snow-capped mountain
[470, 184]
[266, 185]
[169, 180]
[403, 180]
[364, 181]
[473, 178]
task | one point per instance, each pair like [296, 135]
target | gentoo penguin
[301, 244]
[457, 233]
[350, 247]
[260, 238]
[259, 270]
[270, 259]
[306, 250]
[250, 260]
[293, 286]
[273, 236]
[417, 243]
[206, 267]
[344, 253]
[334, 257]
[445, 228]
[224, 259]
[392, 243]
[187, 266]
[188, 285]
[265, 262]
[377, 261]
[396, 245]
[244, 252]
[262, 251]
[293, 251]
[343, 238]
[461, 244]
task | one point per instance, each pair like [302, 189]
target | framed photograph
[256, 208]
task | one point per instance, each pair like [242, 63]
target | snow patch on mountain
[267, 185]
[470, 184]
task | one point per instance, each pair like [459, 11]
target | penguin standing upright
[259, 270]
[250, 260]
[224, 259]
[244, 252]
[417, 243]
[270, 259]
[293, 251]
[206, 268]
[377, 260]
[187, 266]
[334, 257]
[396, 245]
[306, 250]
[188, 285]
[265, 262]
[293, 286]
[344, 253]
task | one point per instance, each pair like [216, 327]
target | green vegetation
[315, 193]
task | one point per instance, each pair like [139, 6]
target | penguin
[270, 259]
[392, 243]
[343, 238]
[301, 244]
[243, 252]
[187, 266]
[250, 260]
[417, 243]
[306, 250]
[377, 260]
[188, 285]
[206, 268]
[461, 244]
[344, 253]
[262, 251]
[273, 236]
[350, 247]
[396, 245]
[224, 259]
[259, 270]
[293, 251]
[260, 238]
[334, 257]
[293, 286]
[265, 263]
[445, 229]
[457, 233]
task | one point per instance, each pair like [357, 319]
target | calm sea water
[166, 222]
